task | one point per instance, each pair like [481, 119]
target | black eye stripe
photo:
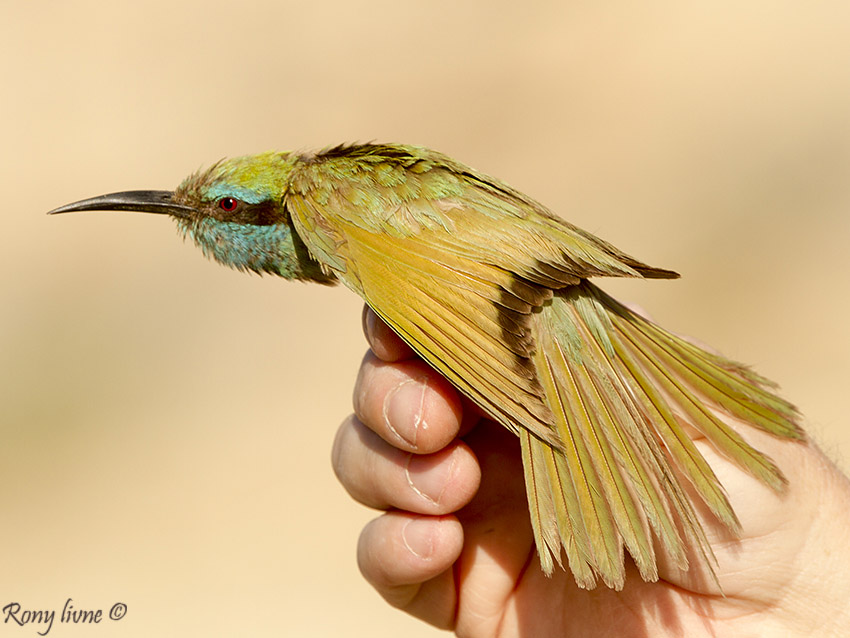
[237, 211]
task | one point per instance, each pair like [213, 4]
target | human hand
[455, 547]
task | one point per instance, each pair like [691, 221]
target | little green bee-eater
[493, 291]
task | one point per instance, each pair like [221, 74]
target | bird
[494, 291]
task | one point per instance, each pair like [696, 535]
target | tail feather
[571, 529]
[731, 386]
[667, 427]
[541, 507]
[620, 389]
[586, 489]
[723, 437]
[611, 462]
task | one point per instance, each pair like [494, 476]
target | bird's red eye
[228, 204]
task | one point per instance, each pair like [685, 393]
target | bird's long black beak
[143, 201]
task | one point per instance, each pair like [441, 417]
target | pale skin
[455, 546]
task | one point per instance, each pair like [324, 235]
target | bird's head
[235, 211]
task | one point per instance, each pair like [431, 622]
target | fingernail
[428, 476]
[404, 410]
[368, 319]
[418, 537]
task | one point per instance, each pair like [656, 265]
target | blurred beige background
[166, 423]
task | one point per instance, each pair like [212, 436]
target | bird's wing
[402, 191]
[454, 262]
[489, 288]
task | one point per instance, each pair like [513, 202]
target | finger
[385, 343]
[472, 416]
[408, 559]
[382, 476]
[407, 404]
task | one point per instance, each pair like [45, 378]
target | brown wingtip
[650, 272]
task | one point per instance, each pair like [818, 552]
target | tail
[621, 389]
